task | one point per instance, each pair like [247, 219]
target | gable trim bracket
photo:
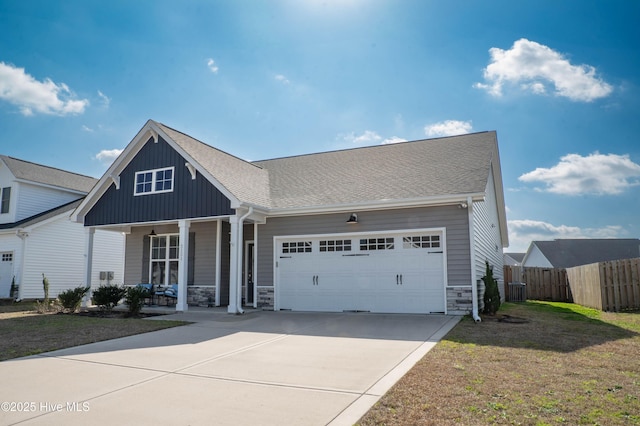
[192, 170]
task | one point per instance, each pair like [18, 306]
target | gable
[189, 198]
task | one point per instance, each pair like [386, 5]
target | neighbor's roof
[38, 173]
[518, 257]
[567, 253]
[457, 165]
[40, 217]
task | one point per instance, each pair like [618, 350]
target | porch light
[153, 233]
[353, 218]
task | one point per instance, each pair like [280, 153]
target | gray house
[402, 228]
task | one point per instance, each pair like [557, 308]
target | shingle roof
[32, 220]
[402, 171]
[567, 253]
[48, 175]
[246, 181]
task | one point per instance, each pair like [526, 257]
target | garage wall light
[353, 218]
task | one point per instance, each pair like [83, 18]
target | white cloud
[367, 137]
[33, 96]
[393, 139]
[104, 98]
[448, 128]
[107, 156]
[595, 174]
[533, 66]
[522, 232]
[281, 78]
[211, 64]
[87, 128]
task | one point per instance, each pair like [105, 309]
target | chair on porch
[148, 293]
[170, 293]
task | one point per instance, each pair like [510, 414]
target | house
[567, 253]
[401, 228]
[37, 237]
[513, 259]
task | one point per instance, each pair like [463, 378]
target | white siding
[33, 199]
[57, 249]
[535, 258]
[488, 244]
[108, 256]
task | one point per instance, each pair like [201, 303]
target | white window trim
[167, 259]
[153, 181]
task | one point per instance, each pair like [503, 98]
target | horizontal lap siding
[487, 239]
[34, 199]
[189, 199]
[455, 221]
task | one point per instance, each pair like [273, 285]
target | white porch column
[183, 265]
[88, 260]
[236, 241]
[218, 260]
[254, 273]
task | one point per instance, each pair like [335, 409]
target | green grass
[566, 365]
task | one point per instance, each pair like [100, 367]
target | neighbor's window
[154, 181]
[6, 198]
[164, 259]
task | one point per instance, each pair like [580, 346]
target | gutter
[472, 255]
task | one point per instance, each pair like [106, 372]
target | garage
[386, 272]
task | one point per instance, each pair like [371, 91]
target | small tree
[491, 292]
[45, 286]
[135, 299]
[14, 289]
[71, 299]
[108, 296]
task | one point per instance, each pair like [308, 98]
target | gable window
[164, 259]
[154, 181]
[6, 198]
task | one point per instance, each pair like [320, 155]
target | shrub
[71, 299]
[14, 289]
[491, 292]
[135, 299]
[108, 296]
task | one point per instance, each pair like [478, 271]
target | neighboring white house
[567, 253]
[37, 237]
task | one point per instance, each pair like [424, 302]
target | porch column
[254, 273]
[183, 265]
[235, 242]
[89, 233]
[218, 259]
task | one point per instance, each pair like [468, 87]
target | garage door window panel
[296, 247]
[421, 241]
[376, 244]
[335, 245]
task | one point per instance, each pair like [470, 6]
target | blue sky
[558, 80]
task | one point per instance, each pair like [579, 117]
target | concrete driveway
[266, 368]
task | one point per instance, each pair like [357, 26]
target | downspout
[239, 250]
[472, 255]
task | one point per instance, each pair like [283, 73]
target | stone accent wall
[266, 298]
[201, 296]
[459, 300]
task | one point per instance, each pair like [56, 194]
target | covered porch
[212, 262]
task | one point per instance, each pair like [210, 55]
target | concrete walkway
[261, 368]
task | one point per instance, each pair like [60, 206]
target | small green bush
[13, 293]
[107, 297]
[71, 299]
[491, 292]
[135, 299]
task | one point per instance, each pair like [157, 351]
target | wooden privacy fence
[608, 286]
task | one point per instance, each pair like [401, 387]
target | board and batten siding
[487, 239]
[57, 249]
[454, 219]
[35, 199]
[190, 198]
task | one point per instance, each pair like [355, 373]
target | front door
[6, 273]
[247, 283]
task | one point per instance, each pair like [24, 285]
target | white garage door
[385, 272]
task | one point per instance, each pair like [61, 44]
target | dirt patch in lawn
[534, 363]
[28, 332]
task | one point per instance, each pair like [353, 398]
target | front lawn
[564, 364]
[25, 332]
